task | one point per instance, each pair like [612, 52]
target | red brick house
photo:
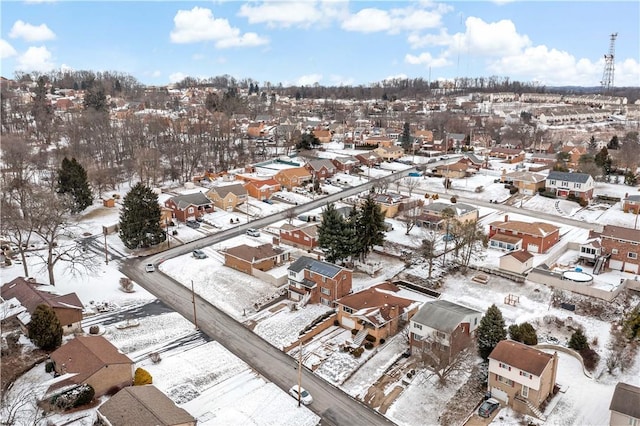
[304, 237]
[189, 206]
[535, 237]
[262, 189]
[510, 155]
[68, 307]
[321, 169]
[443, 326]
[317, 281]
[379, 311]
[246, 258]
[345, 164]
[92, 360]
[324, 136]
[622, 246]
[631, 203]
[369, 158]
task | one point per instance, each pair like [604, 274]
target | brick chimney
[506, 218]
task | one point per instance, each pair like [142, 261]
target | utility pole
[193, 299]
[300, 374]
[106, 253]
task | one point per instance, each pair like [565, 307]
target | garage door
[348, 323]
[615, 264]
[500, 395]
[532, 248]
[630, 267]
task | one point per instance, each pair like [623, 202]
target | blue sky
[330, 42]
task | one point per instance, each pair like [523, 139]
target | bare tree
[410, 218]
[440, 360]
[290, 214]
[428, 248]
[411, 184]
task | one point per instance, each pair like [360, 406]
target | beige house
[625, 405]
[92, 360]
[143, 406]
[520, 376]
[228, 197]
[389, 153]
[517, 261]
[527, 183]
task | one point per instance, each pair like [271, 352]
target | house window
[475, 321]
[525, 391]
[505, 366]
[190, 210]
[324, 279]
[565, 184]
[525, 374]
[577, 185]
[440, 335]
[326, 291]
[347, 309]
[418, 326]
[632, 255]
[292, 274]
[324, 301]
[504, 380]
[633, 422]
[614, 251]
[552, 182]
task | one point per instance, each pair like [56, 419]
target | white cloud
[199, 24]
[35, 59]
[30, 32]
[396, 77]
[490, 39]
[441, 39]
[66, 68]
[338, 80]
[371, 20]
[627, 73]
[288, 14]
[6, 50]
[308, 80]
[177, 76]
[427, 60]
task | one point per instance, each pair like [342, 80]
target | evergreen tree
[96, 99]
[140, 218]
[308, 141]
[405, 138]
[578, 340]
[614, 143]
[369, 227]
[72, 180]
[524, 333]
[44, 329]
[335, 235]
[630, 178]
[42, 110]
[593, 145]
[631, 324]
[490, 331]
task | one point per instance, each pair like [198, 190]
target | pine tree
[44, 329]
[331, 234]
[614, 143]
[369, 227]
[578, 340]
[593, 145]
[140, 218]
[72, 180]
[405, 139]
[490, 331]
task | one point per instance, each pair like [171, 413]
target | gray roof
[143, 406]
[633, 198]
[317, 164]
[442, 315]
[185, 200]
[316, 266]
[458, 208]
[569, 177]
[235, 188]
[626, 400]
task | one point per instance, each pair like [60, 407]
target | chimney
[506, 218]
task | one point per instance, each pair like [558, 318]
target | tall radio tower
[609, 66]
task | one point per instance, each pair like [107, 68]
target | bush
[513, 190]
[354, 331]
[382, 341]
[590, 358]
[48, 367]
[541, 190]
[336, 323]
[578, 341]
[514, 332]
[370, 338]
[85, 395]
[142, 377]
[76, 397]
[524, 333]
[453, 200]
[368, 346]
[44, 329]
[583, 202]
[357, 352]
[94, 329]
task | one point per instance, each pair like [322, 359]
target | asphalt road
[333, 405]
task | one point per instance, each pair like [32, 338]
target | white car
[305, 396]
[253, 232]
[149, 267]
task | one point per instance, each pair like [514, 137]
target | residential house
[517, 261]
[143, 406]
[527, 183]
[378, 141]
[389, 153]
[621, 246]
[262, 189]
[473, 161]
[369, 158]
[324, 136]
[392, 203]
[535, 237]
[228, 197]
[423, 136]
[378, 311]
[520, 376]
[92, 360]
[573, 153]
[432, 215]
[567, 185]
[510, 155]
[321, 169]
[455, 140]
[189, 206]
[345, 164]
[456, 170]
[304, 237]
[293, 177]
[246, 258]
[631, 203]
[256, 130]
[67, 307]
[625, 405]
[443, 327]
[317, 281]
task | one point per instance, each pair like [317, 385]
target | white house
[563, 184]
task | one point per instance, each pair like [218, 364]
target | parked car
[199, 254]
[305, 397]
[192, 224]
[199, 219]
[268, 201]
[447, 237]
[149, 267]
[253, 232]
[488, 407]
